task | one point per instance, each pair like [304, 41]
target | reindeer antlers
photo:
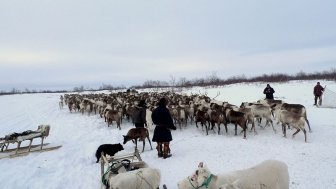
[218, 93]
[205, 93]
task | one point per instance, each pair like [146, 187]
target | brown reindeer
[217, 117]
[203, 117]
[113, 115]
[140, 133]
[71, 106]
[237, 118]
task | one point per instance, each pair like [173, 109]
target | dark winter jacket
[318, 90]
[139, 116]
[162, 119]
[269, 92]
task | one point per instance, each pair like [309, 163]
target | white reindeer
[143, 178]
[270, 174]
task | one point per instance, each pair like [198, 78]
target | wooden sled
[41, 132]
[119, 164]
[134, 159]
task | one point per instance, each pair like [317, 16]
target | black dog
[109, 149]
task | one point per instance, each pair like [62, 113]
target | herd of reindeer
[195, 109]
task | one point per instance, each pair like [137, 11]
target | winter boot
[166, 150]
[159, 149]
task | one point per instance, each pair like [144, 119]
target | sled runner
[41, 132]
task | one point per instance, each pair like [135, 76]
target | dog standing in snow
[109, 149]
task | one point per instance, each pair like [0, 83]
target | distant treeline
[212, 80]
[16, 91]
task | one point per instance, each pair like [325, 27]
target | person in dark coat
[139, 114]
[164, 123]
[268, 91]
[318, 91]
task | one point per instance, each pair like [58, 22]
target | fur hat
[163, 102]
[142, 103]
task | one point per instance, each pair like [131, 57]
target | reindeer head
[126, 139]
[202, 173]
[201, 177]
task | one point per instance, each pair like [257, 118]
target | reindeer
[179, 115]
[113, 115]
[72, 106]
[60, 104]
[190, 112]
[138, 133]
[203, 117]
[182, 118]
[236, 117]
[217, 117]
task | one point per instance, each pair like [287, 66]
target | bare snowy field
[311, 165]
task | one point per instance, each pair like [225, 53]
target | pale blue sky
[68, 43]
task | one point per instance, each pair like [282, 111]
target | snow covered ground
[311, 165]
